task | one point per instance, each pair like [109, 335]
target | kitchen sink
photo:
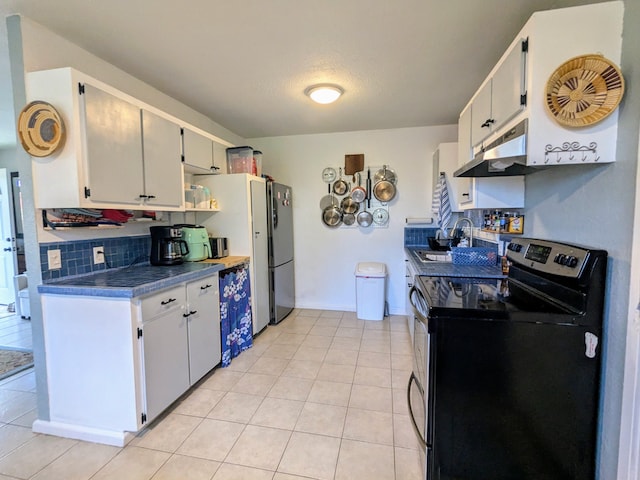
[428, 256]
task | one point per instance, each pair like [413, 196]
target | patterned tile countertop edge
[129, 282]
[448, 269]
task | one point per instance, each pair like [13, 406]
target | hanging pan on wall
[40, 129]
[385, 187]
[332, 216]
[340, 187]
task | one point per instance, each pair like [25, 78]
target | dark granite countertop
[131, 281]
[448, 269]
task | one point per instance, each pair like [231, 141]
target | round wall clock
[584, 90]
[40, 129]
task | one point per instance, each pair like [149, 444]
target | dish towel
[440, 205]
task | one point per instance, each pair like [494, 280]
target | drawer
[202, 288]
[163, 302]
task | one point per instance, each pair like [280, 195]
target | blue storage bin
[474, 256]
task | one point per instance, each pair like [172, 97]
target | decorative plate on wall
[40, 129]
[584, 90]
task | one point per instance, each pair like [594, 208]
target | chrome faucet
[455, 227]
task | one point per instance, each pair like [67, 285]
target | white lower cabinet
[180, 336]
[165, 350]
[114, 364]
[205, 349]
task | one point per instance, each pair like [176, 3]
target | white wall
[326, 258]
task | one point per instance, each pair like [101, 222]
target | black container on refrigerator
[281, 265]
[506, 375]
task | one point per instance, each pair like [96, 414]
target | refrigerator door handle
[274, 209]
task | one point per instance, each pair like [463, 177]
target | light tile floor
[319, 396]
[14, 331]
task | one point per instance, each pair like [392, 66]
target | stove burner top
[472, 295]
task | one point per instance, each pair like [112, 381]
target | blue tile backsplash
[77, 255]
[417, 236]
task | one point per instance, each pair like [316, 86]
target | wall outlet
[98, 255]
[54, 259]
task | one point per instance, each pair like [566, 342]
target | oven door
[418, 387]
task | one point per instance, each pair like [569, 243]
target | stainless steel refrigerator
[281, 271]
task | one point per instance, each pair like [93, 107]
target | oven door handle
[412, 379]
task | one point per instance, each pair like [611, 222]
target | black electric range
[511, 381]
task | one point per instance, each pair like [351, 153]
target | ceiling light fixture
[324, 93]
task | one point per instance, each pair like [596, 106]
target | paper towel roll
[418, 220]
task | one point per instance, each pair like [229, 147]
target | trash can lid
[371, 269]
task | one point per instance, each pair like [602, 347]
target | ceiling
[246, 63]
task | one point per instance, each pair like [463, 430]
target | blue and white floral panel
[235, 313]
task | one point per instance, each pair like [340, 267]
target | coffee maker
[167, 246]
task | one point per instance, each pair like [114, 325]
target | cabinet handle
[204, 287]
[151, 196]
[143, 196]
[488, 123]
[465, 194]
[192, 312]
[167, 302]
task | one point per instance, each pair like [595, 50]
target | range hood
[505, 156]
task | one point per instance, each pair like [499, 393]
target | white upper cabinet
[490, 192]
[508, 90]
[118, 152]
[161, 155]
[516, 88]
[113, 147]
[481, 114]
[502, 96]
[464, 137]
[197, 151]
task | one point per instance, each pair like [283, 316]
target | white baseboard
[78, 432]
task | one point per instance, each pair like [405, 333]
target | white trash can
[370, 290]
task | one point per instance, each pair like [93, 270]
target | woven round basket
[40, 129]
[584, 90]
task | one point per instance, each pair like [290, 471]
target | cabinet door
[219, 158]
[481, 115]
[197, 150]
[465, 192]
[464, 137]
[203, 303]
[494, 192]
[508, 86]
[113, 141]
[166, 360]
[162, 168]
[260, 260]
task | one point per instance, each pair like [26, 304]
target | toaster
[219, 247]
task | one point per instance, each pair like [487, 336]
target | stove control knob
[572, 262]
[559, 259]
[515, 247]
